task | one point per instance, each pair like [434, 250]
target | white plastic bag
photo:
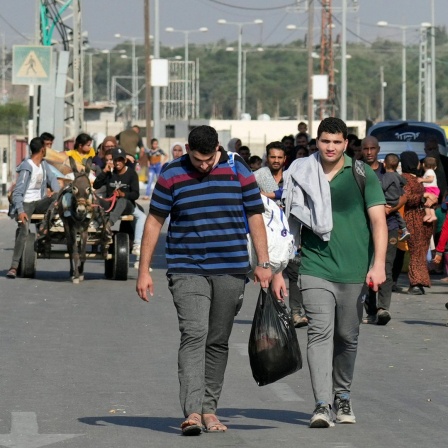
[280, 240]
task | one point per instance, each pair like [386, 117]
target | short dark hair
[254, 159]
[243, 148]
[392, 160]
[154, 140]
[82, 140]
[203, 139]
[275, 145]
[430, 162]
[302, 134]
[288, 137]
[136, 126]
[45, 136]
[351, 137]
[332, 125]
[36, 144]
[301, 148]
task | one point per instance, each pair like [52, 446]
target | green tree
[13, 118]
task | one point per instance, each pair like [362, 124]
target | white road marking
[25, 433]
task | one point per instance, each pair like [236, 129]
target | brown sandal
[192, 426]
[212, 424]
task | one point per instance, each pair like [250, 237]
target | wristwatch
[265, 265]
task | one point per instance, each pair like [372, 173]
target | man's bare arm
[377, 273]
[260, 241]
[151, 233]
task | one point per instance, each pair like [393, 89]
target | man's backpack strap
[231, 156]
[359, 173]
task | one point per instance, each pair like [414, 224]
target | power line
[13, 28]
[273, 8]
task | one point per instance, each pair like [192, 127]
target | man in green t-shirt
[337, 268]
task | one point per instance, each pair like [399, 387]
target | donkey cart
[116, 257]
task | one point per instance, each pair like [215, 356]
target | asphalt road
[91, 365]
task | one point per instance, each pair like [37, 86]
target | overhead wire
[272, 8]
[14, 29]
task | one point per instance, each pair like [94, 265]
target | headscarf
[182, 145]
[232, 143]
[110, 138]
[409, 162]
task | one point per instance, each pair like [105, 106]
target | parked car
[398, 136]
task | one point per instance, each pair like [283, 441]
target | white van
[398, 136]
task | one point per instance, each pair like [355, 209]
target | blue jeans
[153, 174]
[140, 219]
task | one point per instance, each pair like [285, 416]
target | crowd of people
[351, 215]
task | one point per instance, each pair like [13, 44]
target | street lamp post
[107, 53]
[240, 26]
[134, 98]
[244, 74]
[403, 28]
[186, 34]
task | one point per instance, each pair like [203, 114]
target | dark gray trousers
[29, 208]
[375, 302]
[334, 312]
[206, 308]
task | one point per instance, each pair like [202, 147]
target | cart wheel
[128, 227]
[121, 256]
[27, 266]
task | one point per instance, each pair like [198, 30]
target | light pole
[240, 26]
[244, 75]
[134, 90]
[107, 53]
[90, 56]
[403, 28]
[186, 34]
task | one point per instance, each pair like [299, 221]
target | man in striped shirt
[206, 252]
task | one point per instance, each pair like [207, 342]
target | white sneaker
[321, 417]
[136, 249]
[344, 411]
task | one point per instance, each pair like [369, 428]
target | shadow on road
[171, 425]
[423, 322]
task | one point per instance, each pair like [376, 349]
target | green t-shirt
[346, 257]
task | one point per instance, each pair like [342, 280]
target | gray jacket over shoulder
[25, 171]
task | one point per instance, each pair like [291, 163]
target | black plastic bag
[274, 350]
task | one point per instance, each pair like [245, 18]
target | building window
[170, 131]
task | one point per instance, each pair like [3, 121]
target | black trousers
[382, 301]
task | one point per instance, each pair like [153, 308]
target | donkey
[75, 208]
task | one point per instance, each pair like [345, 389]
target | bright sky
[103, 18]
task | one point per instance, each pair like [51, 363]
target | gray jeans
[206, 308]
[334, 312]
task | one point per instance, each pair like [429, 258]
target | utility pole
[327, 58]
[382, 93]
[156, 89]
[310, 65]
[343, 114]
[433, 64]
[148, 104]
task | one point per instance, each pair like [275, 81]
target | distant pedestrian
[30, 196]
[156, 158]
